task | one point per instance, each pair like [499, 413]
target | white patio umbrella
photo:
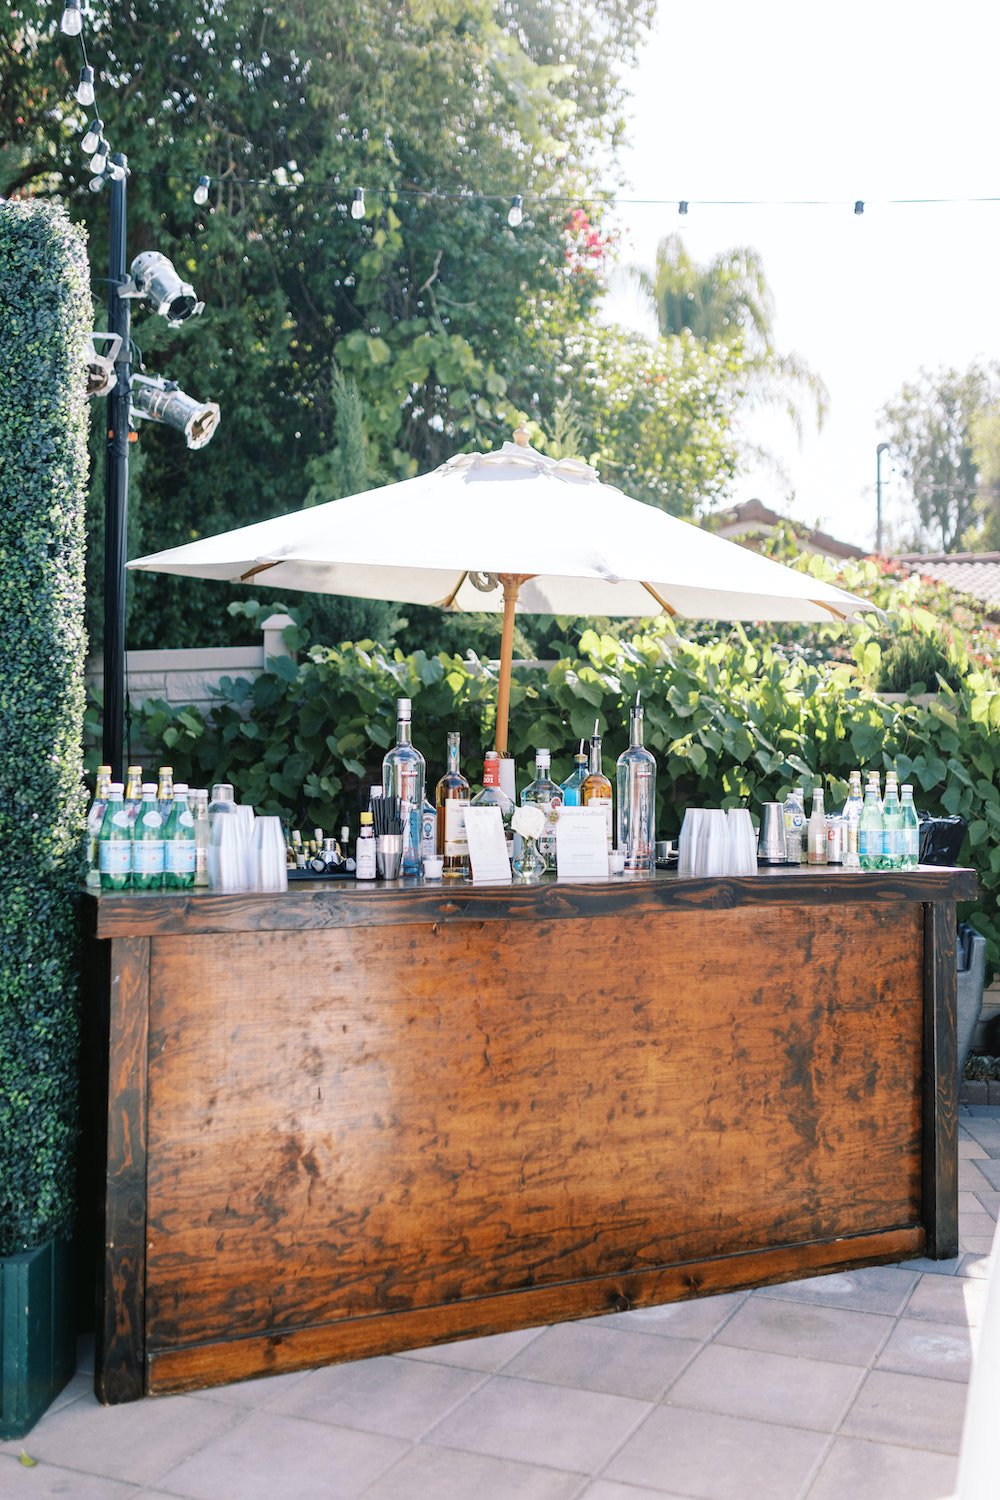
[514, 532]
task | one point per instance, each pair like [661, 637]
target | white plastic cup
[227, 856]
[688, 843]
[712, 854]
[267, 862]
[742, 842]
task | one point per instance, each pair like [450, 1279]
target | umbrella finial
[638, 695]
[521, 437]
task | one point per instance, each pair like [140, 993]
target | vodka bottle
[95, 817]
[910, 831]
[574, 781]
[493, 795]
[180, 852]
[892, 828]
[544, 793]
[147, 842]
[452, 798]
[870, 830]
[816, 832]
[403, 776]
[114, 844]
[636, 775]
[596, 790]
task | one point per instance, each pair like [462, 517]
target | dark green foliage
[44, 322]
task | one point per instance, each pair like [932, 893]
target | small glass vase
[529, 864]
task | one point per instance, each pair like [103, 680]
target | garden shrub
[45, 317]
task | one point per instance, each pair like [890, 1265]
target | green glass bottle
[870, 831]
[147, 842]
[114, 842]
[179, 844]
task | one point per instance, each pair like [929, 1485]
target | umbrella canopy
[511, 531]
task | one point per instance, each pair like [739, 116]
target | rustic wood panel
[940, 1094]
[121, 1324]
[344, 1123]
[198, 1365]
[310, 906]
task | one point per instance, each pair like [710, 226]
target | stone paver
[850, 1384]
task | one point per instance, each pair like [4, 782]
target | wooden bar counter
[350, 1119]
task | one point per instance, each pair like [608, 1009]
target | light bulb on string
[85, 88]
[96, 183]
[92, 139]
[200, 193]
[99, 161]
[358, 204]
[117, 172]
[859, 207]
[515, 214]
[71, 23]
[682, 206]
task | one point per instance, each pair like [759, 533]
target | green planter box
[37, 1333]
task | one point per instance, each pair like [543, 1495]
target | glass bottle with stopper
[596, 789]
[403, 776]
[452, 798]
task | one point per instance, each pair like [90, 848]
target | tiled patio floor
[842, 1386]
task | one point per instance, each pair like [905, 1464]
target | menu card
[582, 844]
[487, 844]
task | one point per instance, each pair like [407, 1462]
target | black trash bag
[940, 839]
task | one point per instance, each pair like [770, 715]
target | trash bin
[940, 844]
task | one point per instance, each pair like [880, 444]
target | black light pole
[882, 448]
[116, 481]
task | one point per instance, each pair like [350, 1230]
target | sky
[879, 100]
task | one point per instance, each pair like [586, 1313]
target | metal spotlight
[160, 400]
[152, 277]
[101, 374]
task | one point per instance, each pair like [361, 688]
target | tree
[929, 428]
[445, 318]
[729, 302]
[985, 433]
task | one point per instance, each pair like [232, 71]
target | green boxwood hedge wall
[45, 318]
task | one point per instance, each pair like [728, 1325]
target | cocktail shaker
[772, 834]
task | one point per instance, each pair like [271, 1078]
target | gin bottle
[573, 784]
[544, 793]
[493, 795]
[596, 789]
[910, 831]
[452, 798]
[636, 773]
[403, 776]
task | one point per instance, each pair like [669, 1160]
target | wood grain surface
[358, 1122]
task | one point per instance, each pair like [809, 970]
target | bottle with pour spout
[636, 774]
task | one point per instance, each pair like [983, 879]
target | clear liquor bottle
[114, 845]
[493, 795]
[870, 830]
[404, 775]
[147, 842]
[910, 831]
[544, 793]
[636, 775]
[596, 790]
[95, 817]
[816, 832]
[451, 798]
[198, 804]
[574, 781]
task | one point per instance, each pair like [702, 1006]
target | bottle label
[605, 803]
[185, 819]
[114, 856]
[179, 856]
[121, 819]
[365, 859]
[456, 842]
[428, 834]
[147, 857]
[150, 820]
[869, 843]
[890, 844]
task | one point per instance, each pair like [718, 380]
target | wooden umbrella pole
[511, 587]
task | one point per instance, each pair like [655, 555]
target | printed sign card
[487, 844]
[582, 844]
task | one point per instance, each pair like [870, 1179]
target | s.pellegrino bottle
[147, 842]
[892, 826]
[179, 844]
[403, 775]
[910, 831]
[870, 830]
[636, 774]
[114, 842]
[95, 817]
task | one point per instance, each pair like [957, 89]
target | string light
[71, 23]
[85, 88]
[92, 139]
[358, 204]
[859, 206]
[117, 171]
[515, 214]
[682, 206]
[99, 161]
[200, 193]
[96, 183]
